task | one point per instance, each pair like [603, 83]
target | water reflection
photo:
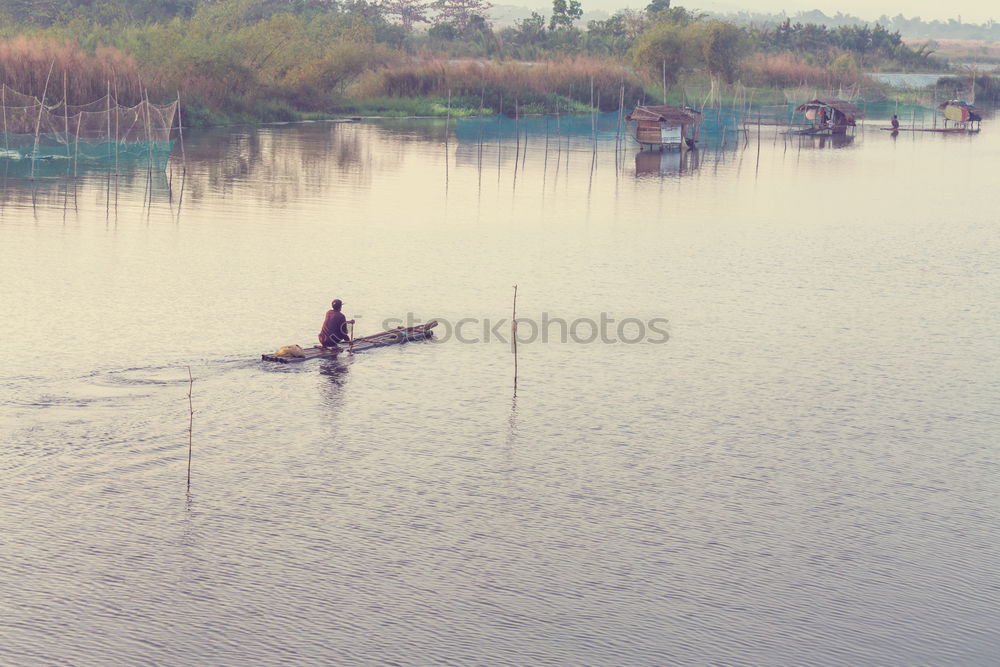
[294, 165]
[286, 163]
[52, 189]
[821, 142]
[815, 417]
[335, 371]
[665, 163]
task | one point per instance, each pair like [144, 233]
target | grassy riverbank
[234, 61]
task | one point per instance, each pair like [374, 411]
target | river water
[788, 456]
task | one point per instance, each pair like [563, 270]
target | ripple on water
[805, 473]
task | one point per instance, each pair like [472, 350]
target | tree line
[275, 58]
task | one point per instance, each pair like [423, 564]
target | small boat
[293, 353]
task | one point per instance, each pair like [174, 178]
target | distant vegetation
[914, 27]
[279, 59]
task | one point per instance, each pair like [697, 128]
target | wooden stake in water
[190, 424]
[66, 115]
[513, 338]
[619, 139]
[517, 135]
[664, 81]
[593, 117]
[117, 129]
[38, 123]
[3, 102]
[447, 125]
[180, 132]
[499, 130]
[76, 149]
[757, 166]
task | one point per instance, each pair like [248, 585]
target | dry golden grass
[524, 81]
[966, 50]
[785, 70]
[25, 62]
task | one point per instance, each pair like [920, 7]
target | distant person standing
[334, 326]
[894, 122]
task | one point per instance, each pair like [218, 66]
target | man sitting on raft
[334, 326]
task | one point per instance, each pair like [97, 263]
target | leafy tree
[723, 46]
[459, 13]
[679, 16]
[446, 32]
[664, 50]
[616, 34]
[657, 6]
[564, 14]
[530, 31]
[408, 12]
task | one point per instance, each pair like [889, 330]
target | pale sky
[973, 11]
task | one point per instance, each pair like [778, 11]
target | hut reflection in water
[665, 163]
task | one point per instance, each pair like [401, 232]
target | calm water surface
[806, 472]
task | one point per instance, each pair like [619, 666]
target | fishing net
[101, 132]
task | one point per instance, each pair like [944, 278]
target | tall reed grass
[785, 70]
[525, 84]
[25, 61]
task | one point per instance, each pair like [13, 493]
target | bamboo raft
[396, 336]
[940, 130]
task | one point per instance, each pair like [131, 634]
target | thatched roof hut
[663, 125]
[675, 116]
[829, 115]
[850, 112]
[960, 111]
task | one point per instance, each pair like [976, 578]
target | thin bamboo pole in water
[447, 125]
[3, 102]
[65, 115]
[107, 192]
[593, 116]
[517, 136]
[524, 153]
[190, 424]
[76, 151]
[118, 115]
[513, 337]
[619, 140]
[664, 81]
[499, 129]
[38, 123]
[757, 165]
[180, 133]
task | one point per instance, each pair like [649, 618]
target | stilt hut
[961, 113]
[829, 116]
[664, 126]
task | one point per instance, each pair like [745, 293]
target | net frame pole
[76, 150]
[180, 132]
[38, 123]
[118, 114]
[107, 137]
[3, 103]
[65, 114]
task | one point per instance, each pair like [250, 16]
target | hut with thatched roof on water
[663, 126]
[829, 115]
[963, 114]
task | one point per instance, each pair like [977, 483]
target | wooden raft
[395, 336]
[940, 130]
